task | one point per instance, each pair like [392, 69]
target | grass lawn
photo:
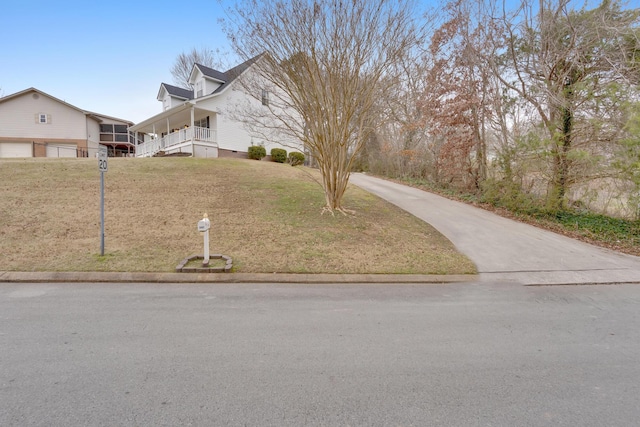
[266, 216]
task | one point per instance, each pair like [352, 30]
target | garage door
[62, 150]
[15, 149]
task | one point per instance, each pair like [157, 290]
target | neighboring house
[36, 124]
[199, 122]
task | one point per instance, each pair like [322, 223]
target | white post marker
[203, 226]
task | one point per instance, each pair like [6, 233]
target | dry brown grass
[266, 216]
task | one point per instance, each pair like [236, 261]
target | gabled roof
[227, 77]
[33, 89]
[176, 91]
[234, 72]
[96, 116]
[211, 73]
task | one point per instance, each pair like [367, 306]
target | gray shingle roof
[226, 78]
[233, 73]
[178, 91]
[210, 72]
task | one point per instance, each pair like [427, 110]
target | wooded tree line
[532, 104]
[535, 106]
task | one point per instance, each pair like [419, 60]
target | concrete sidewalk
[507, 250]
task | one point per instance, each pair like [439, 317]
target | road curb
[122, 277]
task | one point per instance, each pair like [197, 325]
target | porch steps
[163, 154]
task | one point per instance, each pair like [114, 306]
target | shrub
[296, 158]
[278, 155]
[257, 152]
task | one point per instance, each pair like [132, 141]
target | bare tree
[183, 64]
[323, 68]
[574, 68]
[457, 97]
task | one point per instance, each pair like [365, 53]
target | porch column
[155, 135]
[193, 113]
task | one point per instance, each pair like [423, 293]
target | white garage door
[15, 149]
[62, 150]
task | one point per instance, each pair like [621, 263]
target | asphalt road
[507, 250]
[478, 354]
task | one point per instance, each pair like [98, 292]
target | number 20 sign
[102, 160]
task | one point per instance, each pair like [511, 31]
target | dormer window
[199, 89]
[265, 97]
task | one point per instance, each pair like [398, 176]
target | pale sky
[107, 57]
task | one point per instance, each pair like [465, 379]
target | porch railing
[149, 148]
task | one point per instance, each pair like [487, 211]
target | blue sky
[107, 57]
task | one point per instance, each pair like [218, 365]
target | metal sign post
[102, 166]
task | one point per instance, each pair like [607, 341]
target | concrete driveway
[507, 250]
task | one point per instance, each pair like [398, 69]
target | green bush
[296, 158]
[257, 152]
[278, 155]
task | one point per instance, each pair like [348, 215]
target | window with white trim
[202, 123]
[265, 97]
[42, 118]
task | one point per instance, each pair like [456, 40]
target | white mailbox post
[203, 226]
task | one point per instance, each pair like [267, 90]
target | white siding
[18, 118]
[174, 102]
[205, 152]
[210, 86]
[94, 136]
[232, 134]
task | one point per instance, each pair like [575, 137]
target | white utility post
[203, 226]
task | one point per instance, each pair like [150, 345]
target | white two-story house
[200, 122]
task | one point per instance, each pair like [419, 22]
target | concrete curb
[119, 277]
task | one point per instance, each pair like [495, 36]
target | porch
[182, 129]
[197, 141]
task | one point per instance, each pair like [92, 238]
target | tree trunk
[561, 161]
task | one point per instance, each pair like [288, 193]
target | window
[43, 118]
[202, 123]
[265, 97]
[110, 132]
[199, 89]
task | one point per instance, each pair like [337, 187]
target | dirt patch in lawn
[266, 216]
